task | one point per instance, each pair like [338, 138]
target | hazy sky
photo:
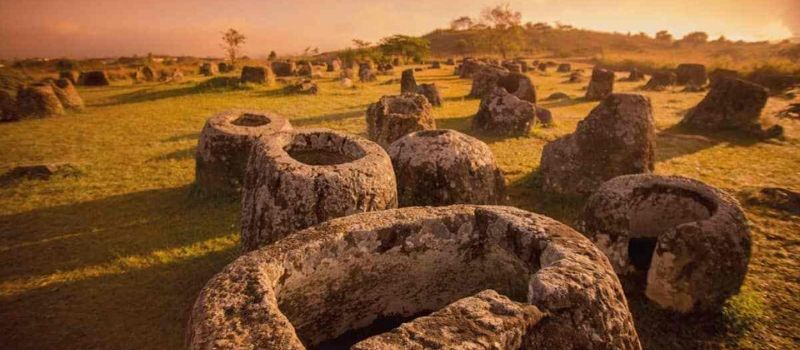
[93, 28]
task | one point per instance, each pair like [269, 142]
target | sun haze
[85, 28]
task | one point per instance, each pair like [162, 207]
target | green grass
[115, 257]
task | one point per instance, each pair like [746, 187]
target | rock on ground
[617, 138]
[67, 94]
[257, 75]
[660, 81]
[407, 82]
[93, 78]
[519, 85]
[486, 79]
[696, 237]
[393, 117]
[38, 101]
[730, 104]
[300, 178]
[691, 74]
[342, 275]
[209, 69]
[224, 147]
[442, 167]
[503, 114]
[431, 92]
[601, 85]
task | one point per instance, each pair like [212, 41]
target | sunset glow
[84, 28]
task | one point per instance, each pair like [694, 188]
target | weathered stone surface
[224, 147]
[209, 69]
[305, 87]
[305, 68]
[544, 116]
[542, 67]
[660, 81]
[486, 320]
[635, 75]
[564, 68]
[345, 274]
[512, 67]
[777, 198]
[347, 73]
[365, 73]
[284, 68]
[385, 69]
[601, 85]
[519, 85]
[730, 104]
[38, 101]
[407, 82]
[346, 82]
[436, 65]
[8, 107]
[450, 62]
[503, 114]
[393, 117]
[617, 138]
[691, 73]
[485, 80]
[67, 94]
[224, 67]
[431, 92]
[469, 67]
[523, 65]
[173, 75]
[692, 239]
[442, 167]
[149, 73]
[303, 177]
[93, 78]
[257, 75]
[576, 77]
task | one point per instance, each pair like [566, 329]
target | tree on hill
[462, 23]
[663, 35]
[405, 46]
[272, 55]
[232, 41]
[506, 34]
[695, 38]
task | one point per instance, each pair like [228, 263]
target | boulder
[576, 77]
[450, 62]
[617, 138]
[691, 240]
[209, 69]
[224, 67]
[300, 178]
[635, 75]
[393, 117]
[443, 167]
[224, 147]
[334, 65]
[8, 107]
[93, 78]
[257, 75]
[407, 82]
[486, 320]
[345, 82]
[304, 87]
[149, 73]
[323, 284]
[436, 65]
[691, 73]
[557, 96]
[305, 69]
[542, 67]
[174, 75]
[284, 68]
[512, 67]
[39, 172]
[431, 92]
[503, 114]
[523, 65]
[730, 104]
[564, 68]
[485, 80]
[777, 198]
[347, 73]
[660, 81]
[67, 94]
[38, 101]
[365, 73]
[519, 85]
[469, 67]
[544, 116]
[601, 85]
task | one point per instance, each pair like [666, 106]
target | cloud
[791, 16]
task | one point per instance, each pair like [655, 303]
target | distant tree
[315, 50]
[541, 27]
[232, 42]
[405, 46]
[695, 38]
[361, 44]
[722, 39]
[272, 55]
[461, 23]
[506, 35]
[462, 46]
[663, 35]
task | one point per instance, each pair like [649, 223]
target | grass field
[114, 257]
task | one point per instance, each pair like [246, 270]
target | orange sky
[94, 28]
